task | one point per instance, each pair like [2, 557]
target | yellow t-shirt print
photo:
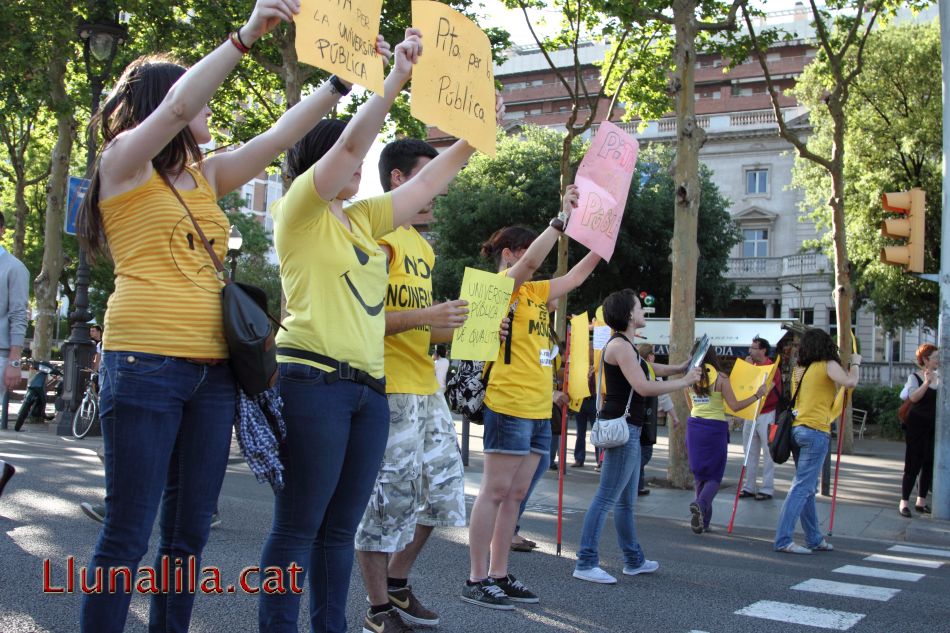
[334, 278]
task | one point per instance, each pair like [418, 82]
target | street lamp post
[101, 36]
[235, 242]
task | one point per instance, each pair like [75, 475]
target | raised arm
[129, 155]
[229, 170]
[842, 378]
[534, 256]
[562, 285]
[336, 169]
[435, 176]
[623, 355]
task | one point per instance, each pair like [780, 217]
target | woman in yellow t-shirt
[168, 398]
[707, 435]
[517, 407]
[334, 276]
[819, 375]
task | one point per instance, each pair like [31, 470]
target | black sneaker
[487, 593]
[215, 520]
[515, 590]
[385, 622]
[411, 609]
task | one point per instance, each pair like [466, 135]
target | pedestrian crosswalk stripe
[877, 572]
[847, 589]
[923, 551]
[904, 560]
[800, 614]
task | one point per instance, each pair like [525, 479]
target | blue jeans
[619, 477]
[582, 420]
[166, 428]
[800, 502]
[336, 436]
[535, 478]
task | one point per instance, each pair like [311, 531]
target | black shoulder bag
[780, 442]
[248, 328]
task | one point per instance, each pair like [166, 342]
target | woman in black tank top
[920, 432]
[626, 378]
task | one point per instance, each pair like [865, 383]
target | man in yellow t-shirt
[421, 482]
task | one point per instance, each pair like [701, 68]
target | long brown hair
[138, 92]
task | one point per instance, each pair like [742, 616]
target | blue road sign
[74, 195]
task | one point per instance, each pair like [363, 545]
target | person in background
[585, 415]
[648, 434]
[920, 431]
[14, 298]
[819, 375]
[758, 430]
[441, 364]
[707, 435]
[95, 333]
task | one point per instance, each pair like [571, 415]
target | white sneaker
[648, 567]
[595, 574]
[824, 546]
[793, 548]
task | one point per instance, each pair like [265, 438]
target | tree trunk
[22, 211]
[690, 138]
[47, 282]
[843, 289]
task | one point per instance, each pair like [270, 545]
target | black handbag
[248, 328]
[780, 441]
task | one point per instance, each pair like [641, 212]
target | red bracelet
[236, 40]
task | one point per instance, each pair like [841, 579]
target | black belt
[342, 371]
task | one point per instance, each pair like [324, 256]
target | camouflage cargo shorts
[421, 479]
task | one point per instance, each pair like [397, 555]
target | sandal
[905, 512]
[745, 494]
[924, 509]
[521, 547]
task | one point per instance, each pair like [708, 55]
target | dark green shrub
[881, 403]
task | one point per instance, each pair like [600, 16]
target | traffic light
[912, 204]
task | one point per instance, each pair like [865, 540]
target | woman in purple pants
[707, 435]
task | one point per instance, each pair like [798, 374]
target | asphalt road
[702, 583]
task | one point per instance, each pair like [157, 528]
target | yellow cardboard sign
[746, 379]
[453, 85]
[579, 367]
[339, 36]
[488, 295]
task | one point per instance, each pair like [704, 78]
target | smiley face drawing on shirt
[372, 310]
[189, 254]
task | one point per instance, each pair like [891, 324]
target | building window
[756, 181]
[806, 316]
[755, 242]
[248, 200]
[833, 323]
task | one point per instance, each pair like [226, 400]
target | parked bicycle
[88, 412]
[47, 377]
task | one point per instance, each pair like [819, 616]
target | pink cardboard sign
[604, 180]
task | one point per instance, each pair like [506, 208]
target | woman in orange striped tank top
[167, 399]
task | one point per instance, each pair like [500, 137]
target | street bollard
[826, 469]
[466, 428]
[4, 407]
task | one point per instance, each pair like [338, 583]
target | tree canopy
[521, 186]
[893, 143]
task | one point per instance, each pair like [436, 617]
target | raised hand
[450, 314]
[499, 108]
[569, 203]
[383, 50]
[267, 14]
[407, 53]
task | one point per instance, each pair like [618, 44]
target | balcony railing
[790, 266]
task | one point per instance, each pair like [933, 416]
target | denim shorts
[509, 435]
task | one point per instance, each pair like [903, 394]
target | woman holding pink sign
[517, 406]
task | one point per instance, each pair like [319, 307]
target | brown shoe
[411, 609]
[523, 546]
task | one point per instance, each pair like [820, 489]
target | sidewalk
[868, 492]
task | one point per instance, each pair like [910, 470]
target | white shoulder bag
[612, 432]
